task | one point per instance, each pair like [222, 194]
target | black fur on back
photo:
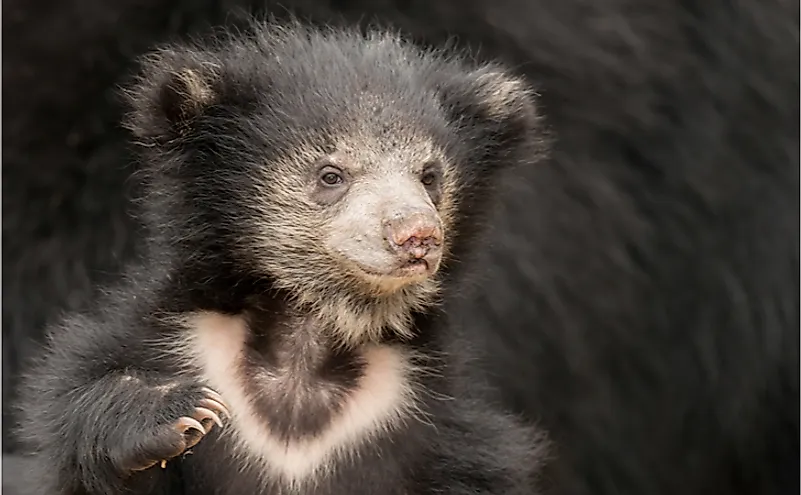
[213, 119]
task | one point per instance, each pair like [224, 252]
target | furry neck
[301, 400]
[355, 318]
[354, 311]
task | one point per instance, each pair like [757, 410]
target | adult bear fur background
[640, 297]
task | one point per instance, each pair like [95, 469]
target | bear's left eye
[430, 174]
[428, 178]
[330, 176]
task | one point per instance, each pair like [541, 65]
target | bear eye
[429, 176]
[331, 176]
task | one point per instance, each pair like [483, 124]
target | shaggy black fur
[114, 380]
[642, 296]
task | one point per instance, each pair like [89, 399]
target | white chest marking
[381, 401]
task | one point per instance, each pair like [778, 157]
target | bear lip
[412, 269]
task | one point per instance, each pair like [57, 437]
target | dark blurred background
[639, 296]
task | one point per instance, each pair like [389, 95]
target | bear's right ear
[170, 93]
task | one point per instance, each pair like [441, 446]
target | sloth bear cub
[310, 193]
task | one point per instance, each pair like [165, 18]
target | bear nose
[414, 234]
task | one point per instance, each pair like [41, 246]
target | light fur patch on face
[382, 401]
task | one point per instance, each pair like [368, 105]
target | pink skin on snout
[416, 237]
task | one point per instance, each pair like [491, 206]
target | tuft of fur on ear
[174, 87]
[496, 108]
[503, 95]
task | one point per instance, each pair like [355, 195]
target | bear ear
[172, 90]
[496, 109]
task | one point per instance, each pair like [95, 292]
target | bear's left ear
[496, 111]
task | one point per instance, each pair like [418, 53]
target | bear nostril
[418, 247]
[414, 234]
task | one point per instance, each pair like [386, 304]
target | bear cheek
[355, 233]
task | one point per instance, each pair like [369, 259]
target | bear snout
[415, 235]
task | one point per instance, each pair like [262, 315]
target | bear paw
[170, 440]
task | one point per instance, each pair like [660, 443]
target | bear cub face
[331, 163]
[387, 227]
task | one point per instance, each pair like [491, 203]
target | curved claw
[185, 423]
[215, 397]
[201, 414]
[215, 406]
[145, 467]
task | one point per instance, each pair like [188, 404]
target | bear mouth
[411, 270]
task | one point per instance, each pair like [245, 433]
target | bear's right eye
[330, 176]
